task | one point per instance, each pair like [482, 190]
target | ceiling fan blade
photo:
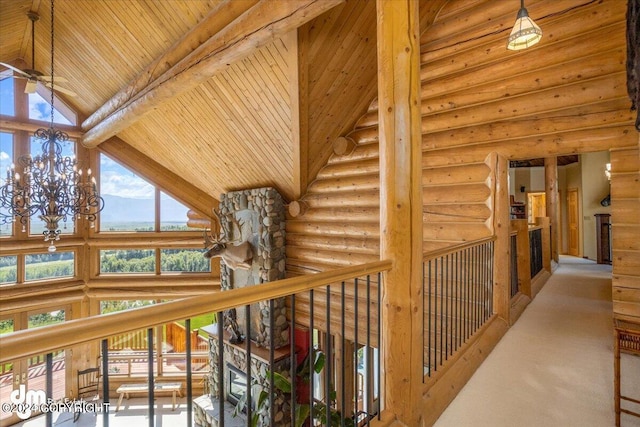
[61, 89]
[55, 79]
[30, 87]
[17, 70]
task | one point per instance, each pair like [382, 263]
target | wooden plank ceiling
[234, 131]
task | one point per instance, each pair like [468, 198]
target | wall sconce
[607, 171]
[525, 32]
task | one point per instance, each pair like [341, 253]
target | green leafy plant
[317, 411]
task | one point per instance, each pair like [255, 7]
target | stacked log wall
[567, 95]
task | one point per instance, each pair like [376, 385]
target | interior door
[537, 206]
[572, 222]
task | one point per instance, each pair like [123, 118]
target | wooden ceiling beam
[169, 182]
[259, 25]
[219, 17]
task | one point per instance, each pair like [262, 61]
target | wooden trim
[518, 304]
[11, 124]
[298, 42]
[537, 283]
[439, 392]
[253, 29]
[64, 335]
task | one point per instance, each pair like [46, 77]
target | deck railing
[340, 308]
[458, 298]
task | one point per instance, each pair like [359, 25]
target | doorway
[573, 246]
[537, 204]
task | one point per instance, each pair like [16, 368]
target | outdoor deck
[123, 365]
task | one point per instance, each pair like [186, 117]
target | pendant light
[525, 32]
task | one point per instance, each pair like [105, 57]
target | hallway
[554, 367]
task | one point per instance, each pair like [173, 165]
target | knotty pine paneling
[99, 45]
[342, 73]
[15, 31]
[230, 133]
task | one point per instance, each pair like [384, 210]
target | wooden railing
[356, 401]
[135, 340]
[26, 343]
[458, 298]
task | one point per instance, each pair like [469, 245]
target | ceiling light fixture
[525, 32]
[49, 185]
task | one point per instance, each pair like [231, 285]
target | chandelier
[49, 185]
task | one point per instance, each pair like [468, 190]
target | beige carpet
[554, 367]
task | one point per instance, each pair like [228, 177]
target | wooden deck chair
[88, 386]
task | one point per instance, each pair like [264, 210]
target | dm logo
[26, 400]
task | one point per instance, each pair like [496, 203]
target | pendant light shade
[525, 32]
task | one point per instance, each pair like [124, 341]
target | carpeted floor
[554, 367]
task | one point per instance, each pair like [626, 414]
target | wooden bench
[143, 388]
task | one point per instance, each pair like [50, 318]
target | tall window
[130, 202]
[6, 159]
[7, 100]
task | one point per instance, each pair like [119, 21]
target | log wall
[567, 95]
[625, 220]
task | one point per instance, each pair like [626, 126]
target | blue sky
[115, 180]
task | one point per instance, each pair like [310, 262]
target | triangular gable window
[40, 109]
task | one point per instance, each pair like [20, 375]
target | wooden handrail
[455, 248]
[26, 343]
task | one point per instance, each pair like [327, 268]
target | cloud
[130, 186]
[40, 109]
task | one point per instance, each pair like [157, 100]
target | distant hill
[122, 209]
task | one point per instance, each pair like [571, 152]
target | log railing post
[502, 248]
[553, 213]
[401, 205]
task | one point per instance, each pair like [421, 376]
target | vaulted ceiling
[228, 129]
[230, 94]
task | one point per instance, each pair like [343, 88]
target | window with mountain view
[130, 202]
